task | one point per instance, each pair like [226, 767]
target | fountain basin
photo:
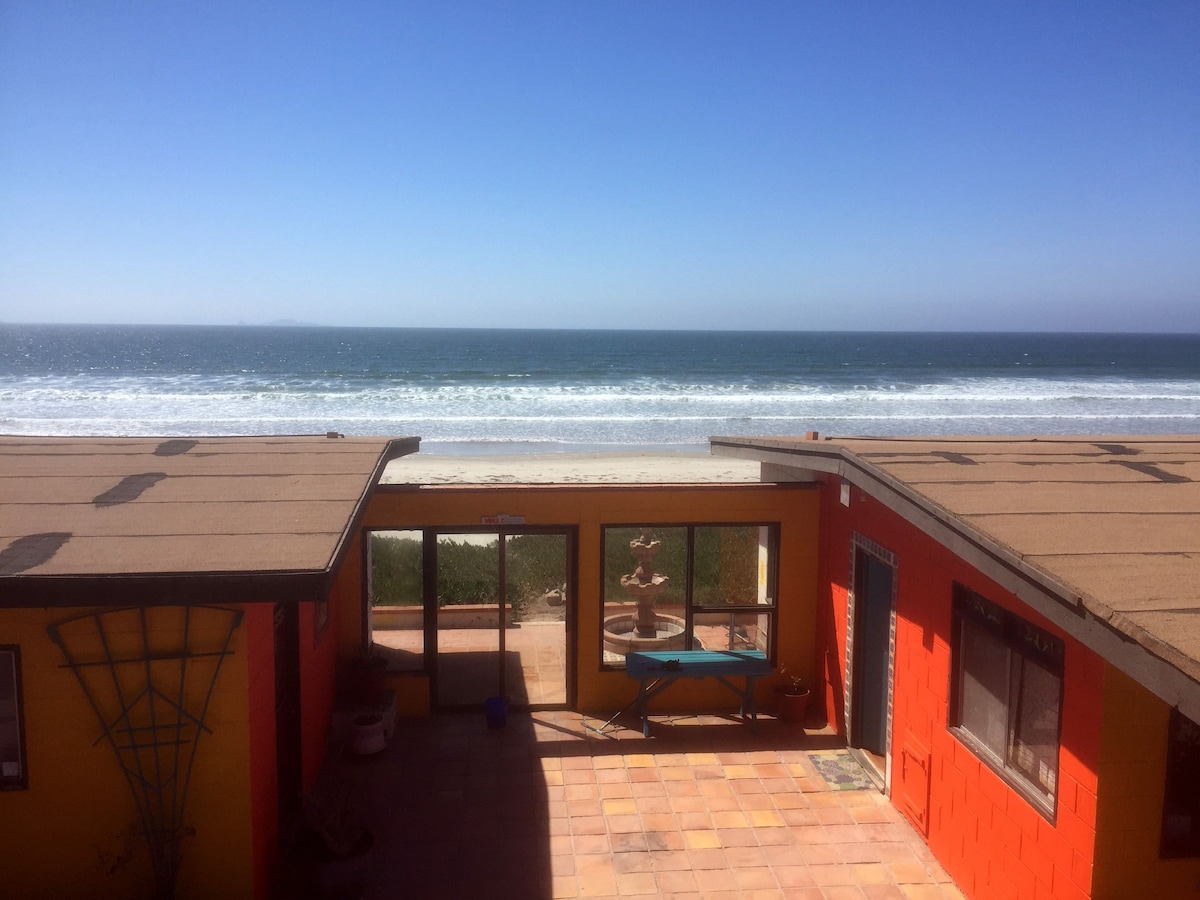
[621, 637]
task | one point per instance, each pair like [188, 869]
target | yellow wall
[1133, 759]
[77, 817]
[795, 507]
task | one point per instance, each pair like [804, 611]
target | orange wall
[794, 507]
[1133, 762]
[77, 820]
[991, 841]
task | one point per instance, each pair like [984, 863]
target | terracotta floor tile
[834, 815]
[563, 887]
[709, 881]
[701, 839]
[624, 824]
[738, 837]
[694, 821]
[799, 817]
[573, 792]
[615, 790]
[746, 856]
[712, 811]
[659, 822]
[624, 862]
[754, 877]
[670, 861]
[859, 852]
[682, 789]
[747, 786]
[627, 843]
[908, 872]
[731, 819]
[772, 770]
[794, 876]
[827, 876]
[676, 773]
[583, 808]
[685, 804]
[653, 803]
[618, 807]
[714, 789]
[634, 884]
[870, 873]
[589, 825]
[708, 858]
[670, 882]
[740, 771]
[844, 892]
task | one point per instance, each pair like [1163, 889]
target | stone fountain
[644, 629]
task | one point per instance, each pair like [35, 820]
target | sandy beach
[571, 468]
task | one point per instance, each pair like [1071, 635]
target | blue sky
[798, 165]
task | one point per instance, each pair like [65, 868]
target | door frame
[862, 546]
[429, 536]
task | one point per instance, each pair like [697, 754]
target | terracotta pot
[792, 708]
[368, 679]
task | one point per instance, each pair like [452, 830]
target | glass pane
[1035, 744]
[395, 590]
[983, 698]
[468, 618]
[10, 735]
[731, 566]
[535, 575]
[731, 631]
[645, 586]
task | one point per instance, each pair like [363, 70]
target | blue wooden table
[658, 670]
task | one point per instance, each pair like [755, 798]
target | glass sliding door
[484, 613]
[535, 644]
[470, 618]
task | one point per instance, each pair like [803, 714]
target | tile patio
[546, 808]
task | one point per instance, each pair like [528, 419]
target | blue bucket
[496, 709]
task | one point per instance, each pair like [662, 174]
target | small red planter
[792, 708]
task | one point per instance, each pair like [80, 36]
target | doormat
[841, 770]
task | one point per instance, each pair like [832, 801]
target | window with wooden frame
[1006, 703]
[688, 587]
[13, 773]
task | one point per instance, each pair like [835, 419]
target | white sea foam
[633, 412]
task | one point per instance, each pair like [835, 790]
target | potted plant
[793, 697]
[368, 676]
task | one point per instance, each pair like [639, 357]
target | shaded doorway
[872, 647]
[286, 631]
[484, 613]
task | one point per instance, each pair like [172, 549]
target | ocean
[487, 391]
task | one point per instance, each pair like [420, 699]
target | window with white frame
[688, 587]
[1007, 695]
[12, 738]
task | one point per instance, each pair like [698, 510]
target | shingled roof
[1105, 528]
[92, 521]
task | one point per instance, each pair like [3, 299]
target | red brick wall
[990, 839]
[264, 786]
